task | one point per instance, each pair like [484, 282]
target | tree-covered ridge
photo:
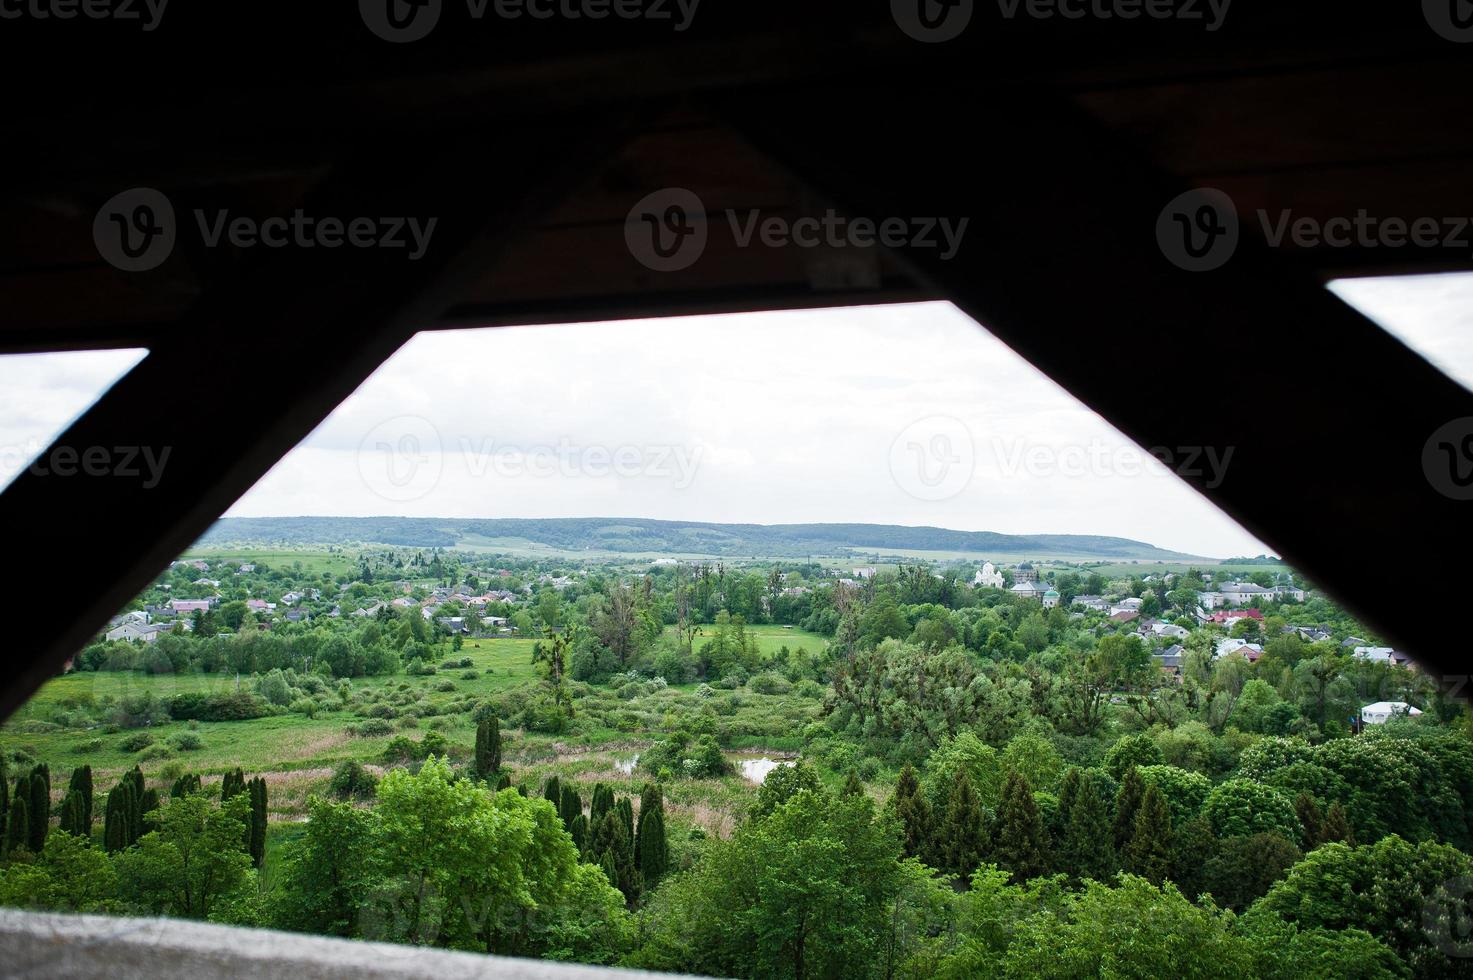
[675, 537]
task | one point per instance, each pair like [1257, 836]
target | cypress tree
[914, 813]
[1068, 792]
[962, 838]
[1127, 802]
[115, 818]
[256, 829]
[71, 814]
[4, 798]
[1310, 818]
[233, 783]
[148, 801]
[570, 807]
[625, 810]
[17, 827]
[522, 789]
[552, 791]
[136, 798]
[39, 817]
[579, 832]
[184, 785]
[488, 747]
[603, 801]
[1336, 827]
[1086, 850]
[615, 851]
[650, 843]
[503, 780]
[1020, 844]
[1149, 853]
[853, 786]
[81, 784]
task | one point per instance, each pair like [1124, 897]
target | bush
[770, 683]
[136, 743]
[304, 706]
[469, 675]
[372, 728]
[445, 687]
[230, 706]
[187, 742]
[351, 781]
[88, 747]
[418, 668]
[156, 752]
[457, 664]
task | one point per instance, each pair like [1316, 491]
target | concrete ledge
[45, 944]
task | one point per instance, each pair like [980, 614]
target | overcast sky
[895, 415]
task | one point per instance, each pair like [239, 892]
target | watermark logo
[1451, 19]
[1198, 230]
[1447, 459]
[933, 458]
[134, 231]
[1211, 13]
[401, 459]
[932, 21]
[1446, 918]
[144, 464]
[147, 13]
[666, 230]
[400, 21]
[1019, 457]
[837, 231]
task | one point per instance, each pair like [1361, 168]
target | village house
[1383, 711]
[190, 605]
[1250, 651]
[1094, 602]
[1028, 589]
[1242, 593]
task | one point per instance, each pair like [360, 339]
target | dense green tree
[40, 808]
[192, 862]
[18, 825]
[651, 846]
[327, 871]
[488, 747]
[600, 805]
[914, 814]
[81, 784]
[612, 847]
[116, 833]
[72, 816]
[1149, 852]
[1127, 803]
[1336, 828]
[961, 839]
[1086, 850]
[256, 826]
[1244, 868]
[570, 806]
[853, 785]
[1239, 807]
[68, 876]
[782, 784]
[1019, 844]
[1129, 751]
[579, 832]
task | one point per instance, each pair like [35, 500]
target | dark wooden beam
[1326, 414]
[263, 358]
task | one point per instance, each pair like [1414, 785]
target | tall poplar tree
[1149, 852]
[1020, 844]
[1127, 802]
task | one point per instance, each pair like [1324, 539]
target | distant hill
[634, 535]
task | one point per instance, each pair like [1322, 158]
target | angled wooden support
[1326, 415]
[262, 359]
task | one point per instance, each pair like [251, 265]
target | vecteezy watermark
[143, 463]
[933, 458]
[1447, 919]
[404, 458]
[401, 459]
[678, 464]
[1199, 230]
[147, 13]
[1451, 19]
[1447, 459]
[1207, 464]
[136, 230]
[402, 21]
[932, 21]
[667, 230]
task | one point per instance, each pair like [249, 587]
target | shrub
[229, 706]
[304, 706]
[469, 675]
[445, 687]
[418, 668]
[457, 664]
[88, 747]
[155, 752]
[351, 781]
[136, 743]
[187, 741]
[769, 683]
[372, 728]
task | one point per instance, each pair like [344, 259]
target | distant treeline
[641, 535]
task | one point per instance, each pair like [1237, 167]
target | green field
[314, 561]
[297, 754]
